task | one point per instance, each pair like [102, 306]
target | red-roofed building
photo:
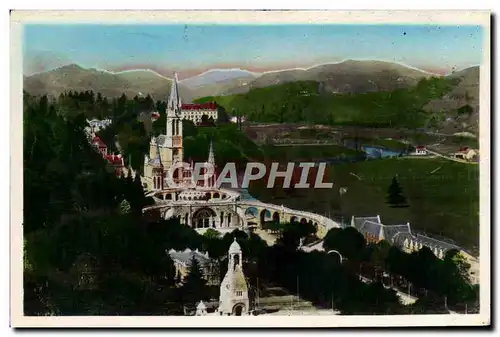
[99, 145]
[194, 112]
[466, 153]
[420, 150]
[155, 116]
[116, 162]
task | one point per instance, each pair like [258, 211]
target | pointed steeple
[158, 155]
[174, 101]
[211, 156]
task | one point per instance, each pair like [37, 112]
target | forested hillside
[307, 102]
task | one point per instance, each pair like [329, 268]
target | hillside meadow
[443, 195]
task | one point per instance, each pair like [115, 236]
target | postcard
[181, 168]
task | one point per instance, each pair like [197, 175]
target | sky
[195, 48]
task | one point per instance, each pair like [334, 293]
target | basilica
[166, 149]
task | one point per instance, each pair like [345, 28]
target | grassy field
[306, 152]
[443, 195]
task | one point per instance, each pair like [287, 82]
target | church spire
[158, 155]
[211, 161]
[174, 101]
[211, 156]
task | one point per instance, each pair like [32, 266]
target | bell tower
[233, 300]
[173, 130]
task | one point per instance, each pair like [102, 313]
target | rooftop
[187, 255]
[114, 159]
[97, 141]
[203, 106]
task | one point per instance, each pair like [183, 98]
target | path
[451, 158]
[406, 299]
[304, 144]
[269, 238]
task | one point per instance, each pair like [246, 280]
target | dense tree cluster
[97, 106]
[230, 144]
[421, 272]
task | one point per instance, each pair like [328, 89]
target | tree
[194, 284]
[330, 241]
[430, 304]
[380, 253]
[347, 241]
[212, 234]
[188, 128]
[463, 267]
[395, 197]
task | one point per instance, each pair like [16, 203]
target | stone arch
[303, 221]
[310, 222]
[251, 212]
[276, 217]
[169, 213]
[263, 215]
[293, 219]
[216, 195]
[208, 196]
[167, 196]
[201, 218]
[238, 309]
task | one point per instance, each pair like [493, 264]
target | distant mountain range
[465, 92]
[215, 76]
[346, 76]
[76, 78]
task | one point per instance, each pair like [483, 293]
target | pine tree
[395, 197]
[193, 284]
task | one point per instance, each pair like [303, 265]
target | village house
[115, 162]
[100, 145]
[420, 151]
[96, 125]
[182, 262]
[466, 153]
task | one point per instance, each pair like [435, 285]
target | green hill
[306, 101]
[443, 195]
